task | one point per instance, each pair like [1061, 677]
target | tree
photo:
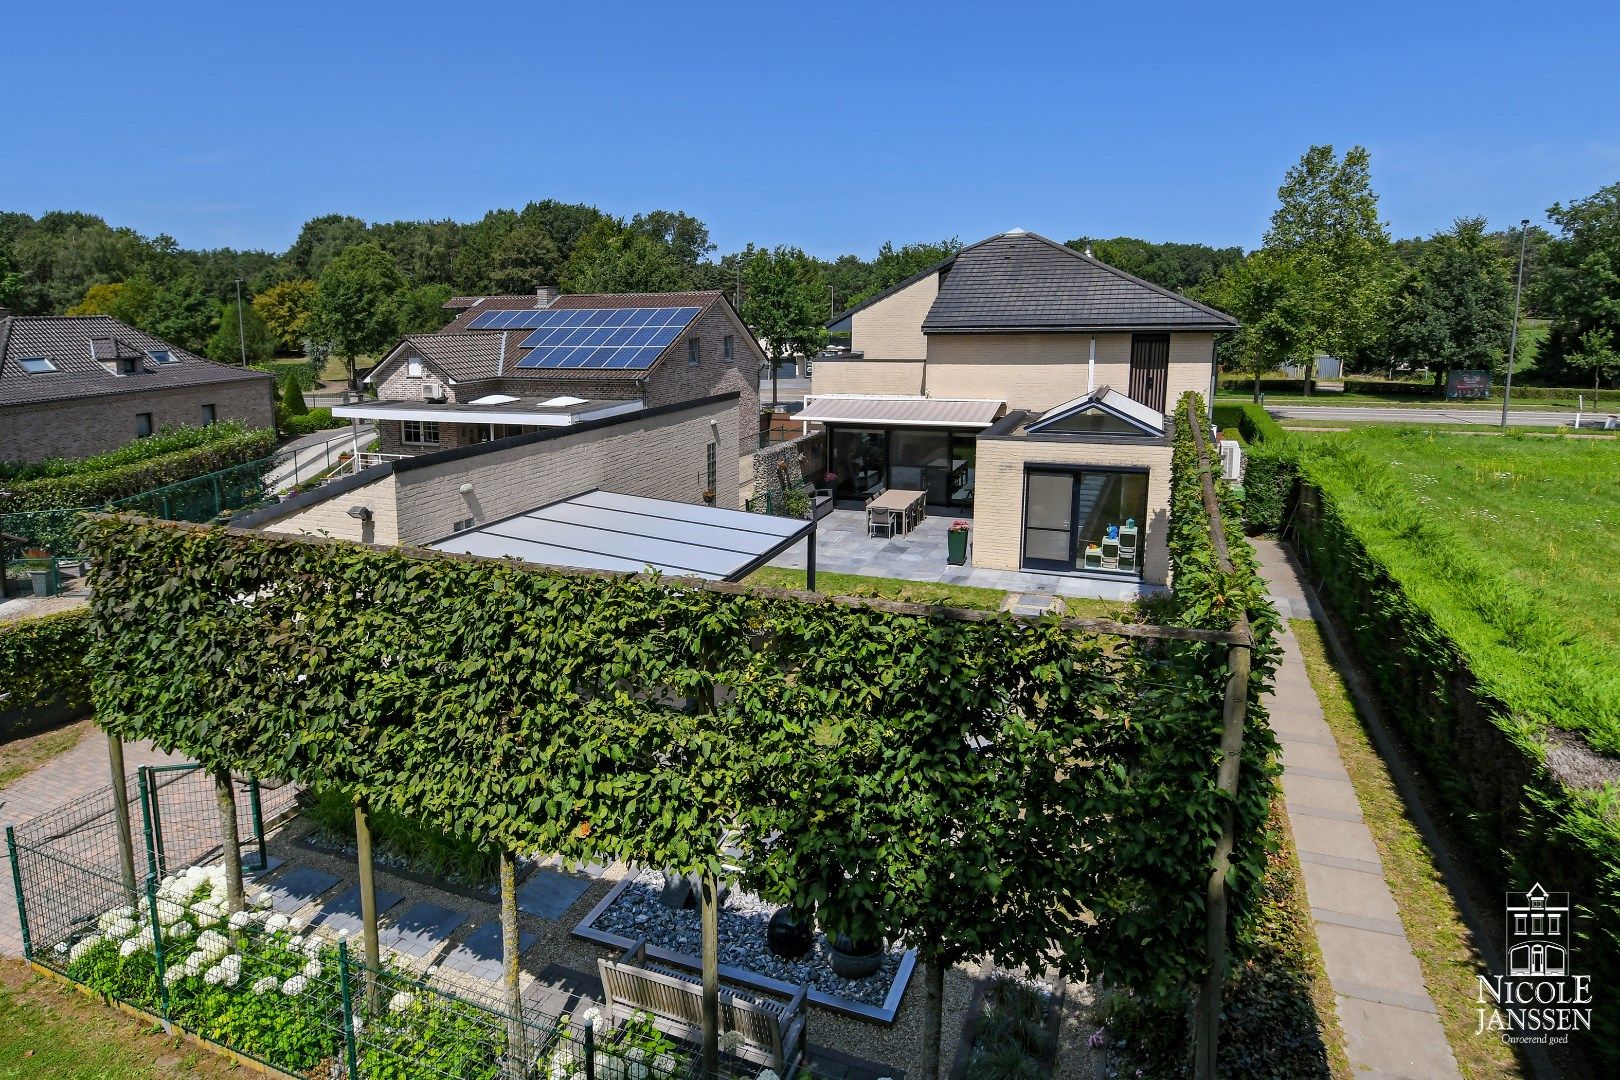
[783, 304]
[1596, 354]
[321, 240]
[1328, 221]
[292, 397]
[611, 258]
[11, 282]
[355, 304]
[893, 265]
[1581, 282]
[181, 314]
[285, 309]
[1273, 304]
[421, 310]
[229, 341]
[98, 299]
[1175, 266]
[685, 236]
[523, 260]
[1456, 308]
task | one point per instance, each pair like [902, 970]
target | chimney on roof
[546, 295]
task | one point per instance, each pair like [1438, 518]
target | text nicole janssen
[1510, 1006]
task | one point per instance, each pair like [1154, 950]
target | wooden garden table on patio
[899, 501]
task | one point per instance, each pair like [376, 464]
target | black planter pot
[854, 959]
[788, 936]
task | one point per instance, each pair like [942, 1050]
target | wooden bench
[772, 1033]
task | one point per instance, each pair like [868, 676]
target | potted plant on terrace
[957, 543]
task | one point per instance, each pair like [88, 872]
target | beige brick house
[72, 386]
[1025, 384]
[513, 365]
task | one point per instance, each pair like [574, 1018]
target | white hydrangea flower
[117, 929]
[194, 963]
[173, 975]
[768, 1074]
[265, 985]
[312, 970]
[665, 1065]
[61, 948]
[312, 946]
[233, 968]
[276, 922]
[116, 916]
[294, 986]
[181, 929]
[170, 912]
[591, 1019]
[214, 975]
[263, 901]
[610, 1067]
[130, 947]
[359, 1023]
[296, 925]
[84, 946]
[241, 920]
[562, 1065]
[400, 1001]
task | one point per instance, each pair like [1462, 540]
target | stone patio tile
[421, 930]
[343, 911]
[548, 894]
[1390, 1040]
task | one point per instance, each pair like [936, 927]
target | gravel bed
[743, 922]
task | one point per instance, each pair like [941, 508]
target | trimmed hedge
[309, 423]
[1484, 682]
[183, 453]
[45, 660]
[1270, 470]
[306, 373]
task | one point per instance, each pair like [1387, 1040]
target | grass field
[1511, 543]
[19, 757]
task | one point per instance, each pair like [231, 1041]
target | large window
[1085, 520]
[419, 432]
[932, 460]
[860, 458]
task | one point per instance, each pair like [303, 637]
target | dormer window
[36, 365]
[129, 365]
[162, 356]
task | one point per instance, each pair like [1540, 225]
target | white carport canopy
[600, 530]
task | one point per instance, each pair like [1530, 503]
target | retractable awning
[901, 411]
[600, 530]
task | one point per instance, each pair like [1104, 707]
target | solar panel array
[620, 338]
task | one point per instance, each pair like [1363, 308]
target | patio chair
[880, 520]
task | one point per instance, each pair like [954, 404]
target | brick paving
[80, 771]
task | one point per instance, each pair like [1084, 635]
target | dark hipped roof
[1020, 281]
[85, 349]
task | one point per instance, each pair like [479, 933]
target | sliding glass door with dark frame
[933, 460]
[1084, 520]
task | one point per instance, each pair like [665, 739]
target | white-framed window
[143, 425]
[694, 351]
[413, 369]
[161, 356]
[419, 432]
[728, 346]
[209, 415]
[36, 365]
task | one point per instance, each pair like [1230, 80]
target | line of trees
[1329, 280]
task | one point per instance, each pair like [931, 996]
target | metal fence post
[349, 1054]
[258, 824]
[157, 948]
[166, 514]
[215, 485]
[590, 1051]
[16, 883]
[153, 822]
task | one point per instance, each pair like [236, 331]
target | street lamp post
[241, 330]
[1513, 335]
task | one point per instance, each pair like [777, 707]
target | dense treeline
[1330, 280]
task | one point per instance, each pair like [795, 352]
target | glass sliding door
[964, 451]
[919, 460]
[1087, 520]
[1049, 520]
[860, 459]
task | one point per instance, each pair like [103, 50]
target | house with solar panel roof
[515, 364]
[1027, 384]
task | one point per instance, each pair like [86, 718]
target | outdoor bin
[956, 551]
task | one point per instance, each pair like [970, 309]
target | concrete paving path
[1391, 1028]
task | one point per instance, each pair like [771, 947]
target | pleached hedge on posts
[1041, 791]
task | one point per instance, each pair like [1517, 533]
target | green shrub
[164, 443]
[1271, 468]
[310, 422]
[43, 660]
[307, 372]
[424, 850]
[292, 398]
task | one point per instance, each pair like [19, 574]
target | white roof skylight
[493, 399]
[36, 365]
[562, 402]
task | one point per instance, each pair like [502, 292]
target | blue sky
[833, 127]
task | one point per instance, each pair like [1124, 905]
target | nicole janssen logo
[1539, 1000]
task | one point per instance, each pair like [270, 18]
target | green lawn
[19, 757]
[1511, 542]
[47, 1030]
[927, 592]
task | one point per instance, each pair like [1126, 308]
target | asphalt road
[1385, 415]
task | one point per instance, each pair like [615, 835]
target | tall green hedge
[1270, 472]
[984, 779]
[45, 660]
[1484, 682]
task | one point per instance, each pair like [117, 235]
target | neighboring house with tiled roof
[76, 385]
[1027, 383]
[509, 365]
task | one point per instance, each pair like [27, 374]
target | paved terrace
[842, 547]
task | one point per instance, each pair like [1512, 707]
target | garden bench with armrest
[772, 1032]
